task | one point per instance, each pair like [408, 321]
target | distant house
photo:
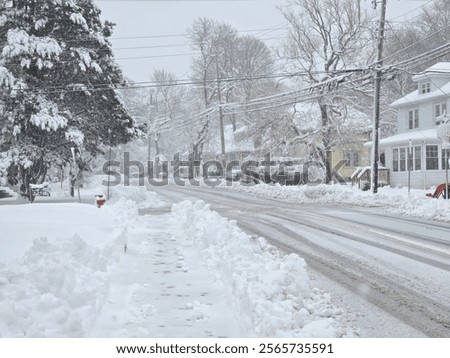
[238, 146]
[419, 114]
[353, 156]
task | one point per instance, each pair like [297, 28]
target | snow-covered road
[390, 273]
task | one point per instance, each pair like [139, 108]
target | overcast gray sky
[151, 33]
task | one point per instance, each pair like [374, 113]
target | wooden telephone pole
[151, 118]
[376, 101]
[221, 124]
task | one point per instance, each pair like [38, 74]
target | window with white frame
[395, 159]
[417, 157]
[401, 156]
[402, 160]
[443, 158]
[426, 87]
[440, 109]
[432, 157]
[413, 118]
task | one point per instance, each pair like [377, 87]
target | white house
[419, 114]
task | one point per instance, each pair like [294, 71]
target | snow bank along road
[390, 273]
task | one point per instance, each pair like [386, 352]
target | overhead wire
[410, 11]
[276, 101]
[295, 97]
[155, 84]
[415, 43]
[289, 97]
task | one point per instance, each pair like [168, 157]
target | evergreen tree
[59, 86]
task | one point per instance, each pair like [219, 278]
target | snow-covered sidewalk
[161, 289]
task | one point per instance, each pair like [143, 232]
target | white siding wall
[402, 120]
[426, 120]
[426, 117]
[419, 180]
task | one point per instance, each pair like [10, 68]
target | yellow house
[348, 157]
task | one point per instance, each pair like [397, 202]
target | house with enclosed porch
[419, 115]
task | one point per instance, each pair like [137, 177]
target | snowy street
[389, 273]
[201, 262]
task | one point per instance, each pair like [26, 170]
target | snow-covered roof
[360, 171]
[427, 135]
[441, 68]
[232, 142]
[415, 97]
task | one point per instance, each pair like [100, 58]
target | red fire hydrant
[100, 199]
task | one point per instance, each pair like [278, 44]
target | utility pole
[446, 174]
[409, 166]
[376, 100]
[222, 130]
[149, 136]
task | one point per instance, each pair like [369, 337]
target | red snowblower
[440, 191]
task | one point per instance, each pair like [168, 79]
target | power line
[153, 84]
[388, 70]
[157, 56]
[416, 43]
[433, 54]
[302, 95]
[275, 28]
[147, 47]
[186, 44]
[443, 50]
[410, 11]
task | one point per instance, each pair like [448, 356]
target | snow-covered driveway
[390, 273]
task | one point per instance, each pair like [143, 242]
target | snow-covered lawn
[54, 267]
[185, 272]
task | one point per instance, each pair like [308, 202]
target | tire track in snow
[377, 240]
[419, 311]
